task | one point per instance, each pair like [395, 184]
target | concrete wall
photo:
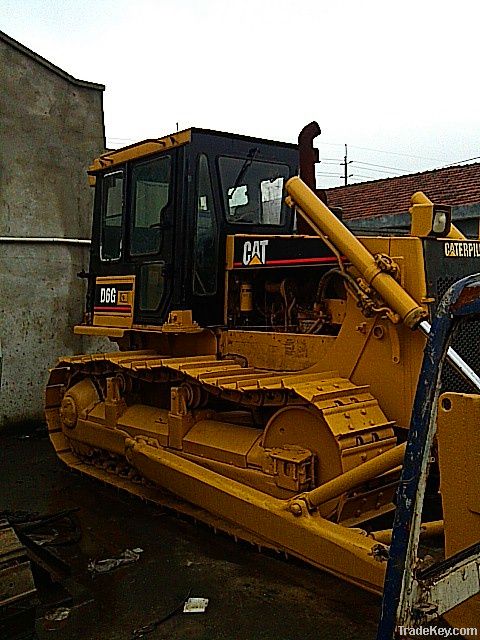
[51, 127]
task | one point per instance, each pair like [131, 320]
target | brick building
[383, 204]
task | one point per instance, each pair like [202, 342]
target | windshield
[253, 190]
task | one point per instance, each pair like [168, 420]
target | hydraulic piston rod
[324, 222]
[347, 481]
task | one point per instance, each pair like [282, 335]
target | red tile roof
[452, 185]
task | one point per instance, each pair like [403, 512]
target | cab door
[207, 260]
[153, 207]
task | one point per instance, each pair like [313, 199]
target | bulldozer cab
[162, 211]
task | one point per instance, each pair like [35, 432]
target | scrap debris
[195, 605]
[57, 615]
[42, 534]
[17, 588]
[149, 628]
[108, 564]
[57, 529]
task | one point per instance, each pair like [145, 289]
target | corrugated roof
[459, 185]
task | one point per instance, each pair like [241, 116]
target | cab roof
[178, 139]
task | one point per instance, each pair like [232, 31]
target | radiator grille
[466, 343]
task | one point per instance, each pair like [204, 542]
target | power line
[365, 165]
[392, 153]
[400, 171]
[389, 173]
[452, 164]
[396, 153]
[382, 166]
[325, 173]
[359, 175]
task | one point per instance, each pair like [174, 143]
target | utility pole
[345, 164]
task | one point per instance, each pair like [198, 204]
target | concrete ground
[252, 595]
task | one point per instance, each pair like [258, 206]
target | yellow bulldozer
[268, 360]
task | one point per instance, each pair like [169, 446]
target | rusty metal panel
[16, 580]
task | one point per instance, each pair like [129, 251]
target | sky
[395, 81]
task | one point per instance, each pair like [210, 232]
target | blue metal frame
[461, 301]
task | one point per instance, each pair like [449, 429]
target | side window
[150, 198]
[206, 240]
[112, 208]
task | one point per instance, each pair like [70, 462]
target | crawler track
[209, 378]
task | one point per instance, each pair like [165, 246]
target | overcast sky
[397, 81]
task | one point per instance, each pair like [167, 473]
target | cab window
[206, 236]
[150, 199]
[112, 214]
[253, 190]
